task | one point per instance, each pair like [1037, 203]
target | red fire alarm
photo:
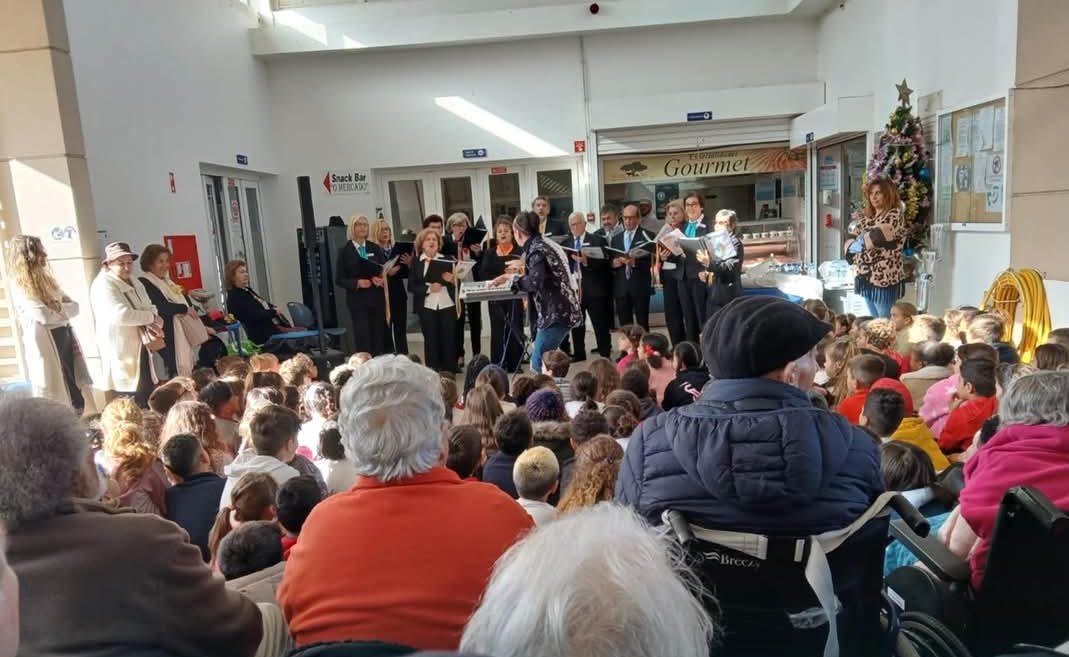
[827, 220]
[580, 146]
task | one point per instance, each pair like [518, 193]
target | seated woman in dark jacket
[752, 454]
[257, 315]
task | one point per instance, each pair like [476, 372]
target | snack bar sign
[347, 182]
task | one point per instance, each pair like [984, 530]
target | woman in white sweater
[54, 361]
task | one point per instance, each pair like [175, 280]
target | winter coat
[120, 309]
[752, 455]
[649, 408]
[557, 438]
[43, 366]
[912, 430]
[918, 383]
[685, 388]
[251, 462]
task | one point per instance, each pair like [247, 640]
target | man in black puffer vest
[752, 454]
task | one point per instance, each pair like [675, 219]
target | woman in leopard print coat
[876, 250]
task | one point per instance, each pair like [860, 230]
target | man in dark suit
[596, 288]
[632, 277]
[551, 226]
[693, 291]
[610, 226]
[359, 273]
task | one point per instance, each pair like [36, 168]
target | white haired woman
[596, 583]
[1031, 449]
[390, 587]
[78, 561]
[54, 361]
[359, 273]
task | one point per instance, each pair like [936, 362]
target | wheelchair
[1023, 597]
[798, 595]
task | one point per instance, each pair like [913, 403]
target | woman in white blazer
[121, 309]
[54, 361]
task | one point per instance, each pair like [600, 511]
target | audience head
[381, 442]
[883, 412]
[975, 350]
[184, 456]
[250, 548]
[899, 387]
[842, 324]
[496, 377]
[295, 500]
[817, 308]
[294, 373]
[513, 433]
[555, 363]
[252, 498]
[630, 338]
[330, 445]
[220, 398]
[655, 349]
[597, 464]
[478, 363]
[291, 399]
[585, 389]
[759, 336]
[232, 366]
[546, 405]
[904, 466]
[935, 353]
[686, 356]
[44, 460]
[865, 370]
[321, 401]
[258, 397]
[273, 429]
[985, 328]
[927, 328]
[195, 418]
[835, 355]
[588, 423]
[307, 364]
[340, 375]
[604, 370]
[128, 452]
[636, 381]
[622, 422]
[447, 387]
[597, 583]
[1059, 336]
[627, 400]
[545, 381]
[1040, 398]
[523, 386]
[264, 379]
[966, 316]
[465, 450]
[263, 363]
[120, 409]
[878, 334]
[152, 428]
[167, 395]
[978, 378]
[482, 411]
[1051, 357]
[902, 315]
[536, 473]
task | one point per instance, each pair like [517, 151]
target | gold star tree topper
[904, 92]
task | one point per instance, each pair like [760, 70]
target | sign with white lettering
[700, 164]
[473, 153]
[700, 116]
[347, 182]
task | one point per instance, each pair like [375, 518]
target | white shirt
[539, 511]
[439, 300]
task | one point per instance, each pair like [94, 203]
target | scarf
[171, 291]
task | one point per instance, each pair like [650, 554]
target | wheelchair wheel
[931, 638]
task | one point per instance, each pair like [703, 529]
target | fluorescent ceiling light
[498, 127]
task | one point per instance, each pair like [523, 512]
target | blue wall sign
[700, 116]
[809, 137]
[472, 153]
[243, 159]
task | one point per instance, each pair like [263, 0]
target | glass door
[406, 200]
[456, 195]
[558, 186]
[504, 189]
[235, 217]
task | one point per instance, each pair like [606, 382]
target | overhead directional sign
[472, 153]
[700, 116]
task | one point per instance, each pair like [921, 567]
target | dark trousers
[634, 308]
[673, 310]
[369, 329]
[693, 296]
[439, 329]
[598, 309]
[473, 313]
[506, 333]
[397, 333]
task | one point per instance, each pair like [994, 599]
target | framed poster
[971, 170]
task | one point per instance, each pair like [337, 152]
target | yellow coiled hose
[1013, 287]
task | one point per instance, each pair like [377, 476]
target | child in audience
[482, 412]
[321, 405]
[911, 429]
[552, 428]
[311, 372]
[862, 371]
[253, 498]
[877, 338]
[135, 468]
[972, 404]
[936, 405]
[152, 429]
[293, 373]
[622, 424]
[988, 328]
[273, 430]
[465, 452]
[232, 366]
[689, 380]
[597, 464]
[836, 356]
[450, 396]
[817, 308]
[196, 418]
[607, 375]
[629, 341]
[340, 375]
[193, 500]
[167, 395]
[927, 328]
[555, 363]
[523, 385]
[966, 316]
[513, 434]
[338, 472]
[1059, 336]
[636, 381]
[295, 500]
[263, 363]
[902, 316]
[1051, 357]
[226, 412]
[882, 413]
[906, 469]
[496, 377]
[584, 394]
[843, 322]
[930, 362]
[627, 400]
[250, 548]
[536, 475]
[264, 380]
[657, 353]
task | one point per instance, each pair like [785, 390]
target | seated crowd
[266, 508]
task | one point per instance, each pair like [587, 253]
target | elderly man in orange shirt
[404, 556]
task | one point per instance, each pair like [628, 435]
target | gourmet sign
[700, 164]
[347, 182]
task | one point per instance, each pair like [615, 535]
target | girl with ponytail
[584, 394]
[657, 352]
[597, 463]
[253, 498]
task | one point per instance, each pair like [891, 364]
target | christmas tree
[902, 157]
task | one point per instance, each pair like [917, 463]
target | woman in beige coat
[54, 361]
[121, 308]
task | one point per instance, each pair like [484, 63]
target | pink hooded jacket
[936, 406]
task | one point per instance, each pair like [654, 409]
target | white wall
[967, 52]
[165, 86]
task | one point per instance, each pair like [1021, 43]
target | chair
[777, 595]
[1024, 593]
[296, 341]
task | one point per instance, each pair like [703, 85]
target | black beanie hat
[752, 336]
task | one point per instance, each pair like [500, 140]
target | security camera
[594, 8]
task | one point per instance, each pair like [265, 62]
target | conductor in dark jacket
[693, 290]
[753, 454]
[632, 277]
[595, 290]
[359, 273]
[724, 274]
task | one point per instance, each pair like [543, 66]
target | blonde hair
[152, 428]
[423, 236]
[535, 472]
[130, 453]
[263, 363]
[120, 409]
[597, 464]
[353, 221]
[376, 228]
[195, 418]
[29, 270]
[482, 409]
